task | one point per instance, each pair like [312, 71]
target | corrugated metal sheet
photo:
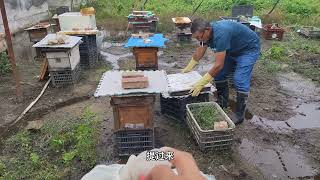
[71, 42]
[110, 84]
[183, 82]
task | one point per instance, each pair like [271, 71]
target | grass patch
[62, 148]
[297, 54]
[206, 115]
[113, 13]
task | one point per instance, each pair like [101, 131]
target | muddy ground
[280, 140]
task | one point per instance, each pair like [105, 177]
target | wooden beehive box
[146, 58]
[35, 35]
[63, 59]
[133, 112]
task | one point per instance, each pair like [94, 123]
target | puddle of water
[276, 162]
[271, 126]
[113, 59]
[106, 45]
[299, 86]
[264, 159]
[308, 116]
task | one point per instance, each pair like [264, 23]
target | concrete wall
[24, 13]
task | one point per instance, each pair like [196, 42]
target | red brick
[135, 83]
[132, 74]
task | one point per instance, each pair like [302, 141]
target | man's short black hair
[199, 25]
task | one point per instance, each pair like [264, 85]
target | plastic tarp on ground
[156, 40]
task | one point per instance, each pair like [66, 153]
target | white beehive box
[76, 21]
[61, 56]
[63, 60]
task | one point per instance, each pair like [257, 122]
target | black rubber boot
[240, 107]
[223, 93]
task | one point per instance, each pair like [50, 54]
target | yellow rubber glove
[190, 66]
[196, 88]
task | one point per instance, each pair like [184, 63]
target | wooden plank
[44, 70]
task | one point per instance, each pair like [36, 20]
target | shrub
[5, 66]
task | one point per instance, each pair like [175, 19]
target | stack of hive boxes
[182, 28]
[145, 49]
[82, 25]
[133, 95]
[62, 53]
[144, 21]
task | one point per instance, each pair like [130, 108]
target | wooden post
[10, 48]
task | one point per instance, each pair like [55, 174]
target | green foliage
[205, 115]
[87, 3]
[291, 11]
[5, 66]
[69, 156]
[304, 8]
[2, 168]
[34, 157]
[277, 52]
[46, 154]
[60, 142]
[270, 66]
[21, 142]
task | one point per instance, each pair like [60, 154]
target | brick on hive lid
[135, 83]
[131, 74]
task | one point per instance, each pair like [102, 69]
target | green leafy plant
[277, 52]
[87, 3]
[205, 115]
[2, 168]
[69, 156]
[60, 142]
[34, 157]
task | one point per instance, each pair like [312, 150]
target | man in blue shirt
[236, 48]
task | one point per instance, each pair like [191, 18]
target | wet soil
[260, 151]
[28, 69]
[280, 141]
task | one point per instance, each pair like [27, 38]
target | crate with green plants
[210, 125]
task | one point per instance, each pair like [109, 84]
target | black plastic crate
[175, 106]
[242, 10]
[88, 59]
[66, 77]
[62, 9]
[184, 37]
[130, 142]
[88, 51]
